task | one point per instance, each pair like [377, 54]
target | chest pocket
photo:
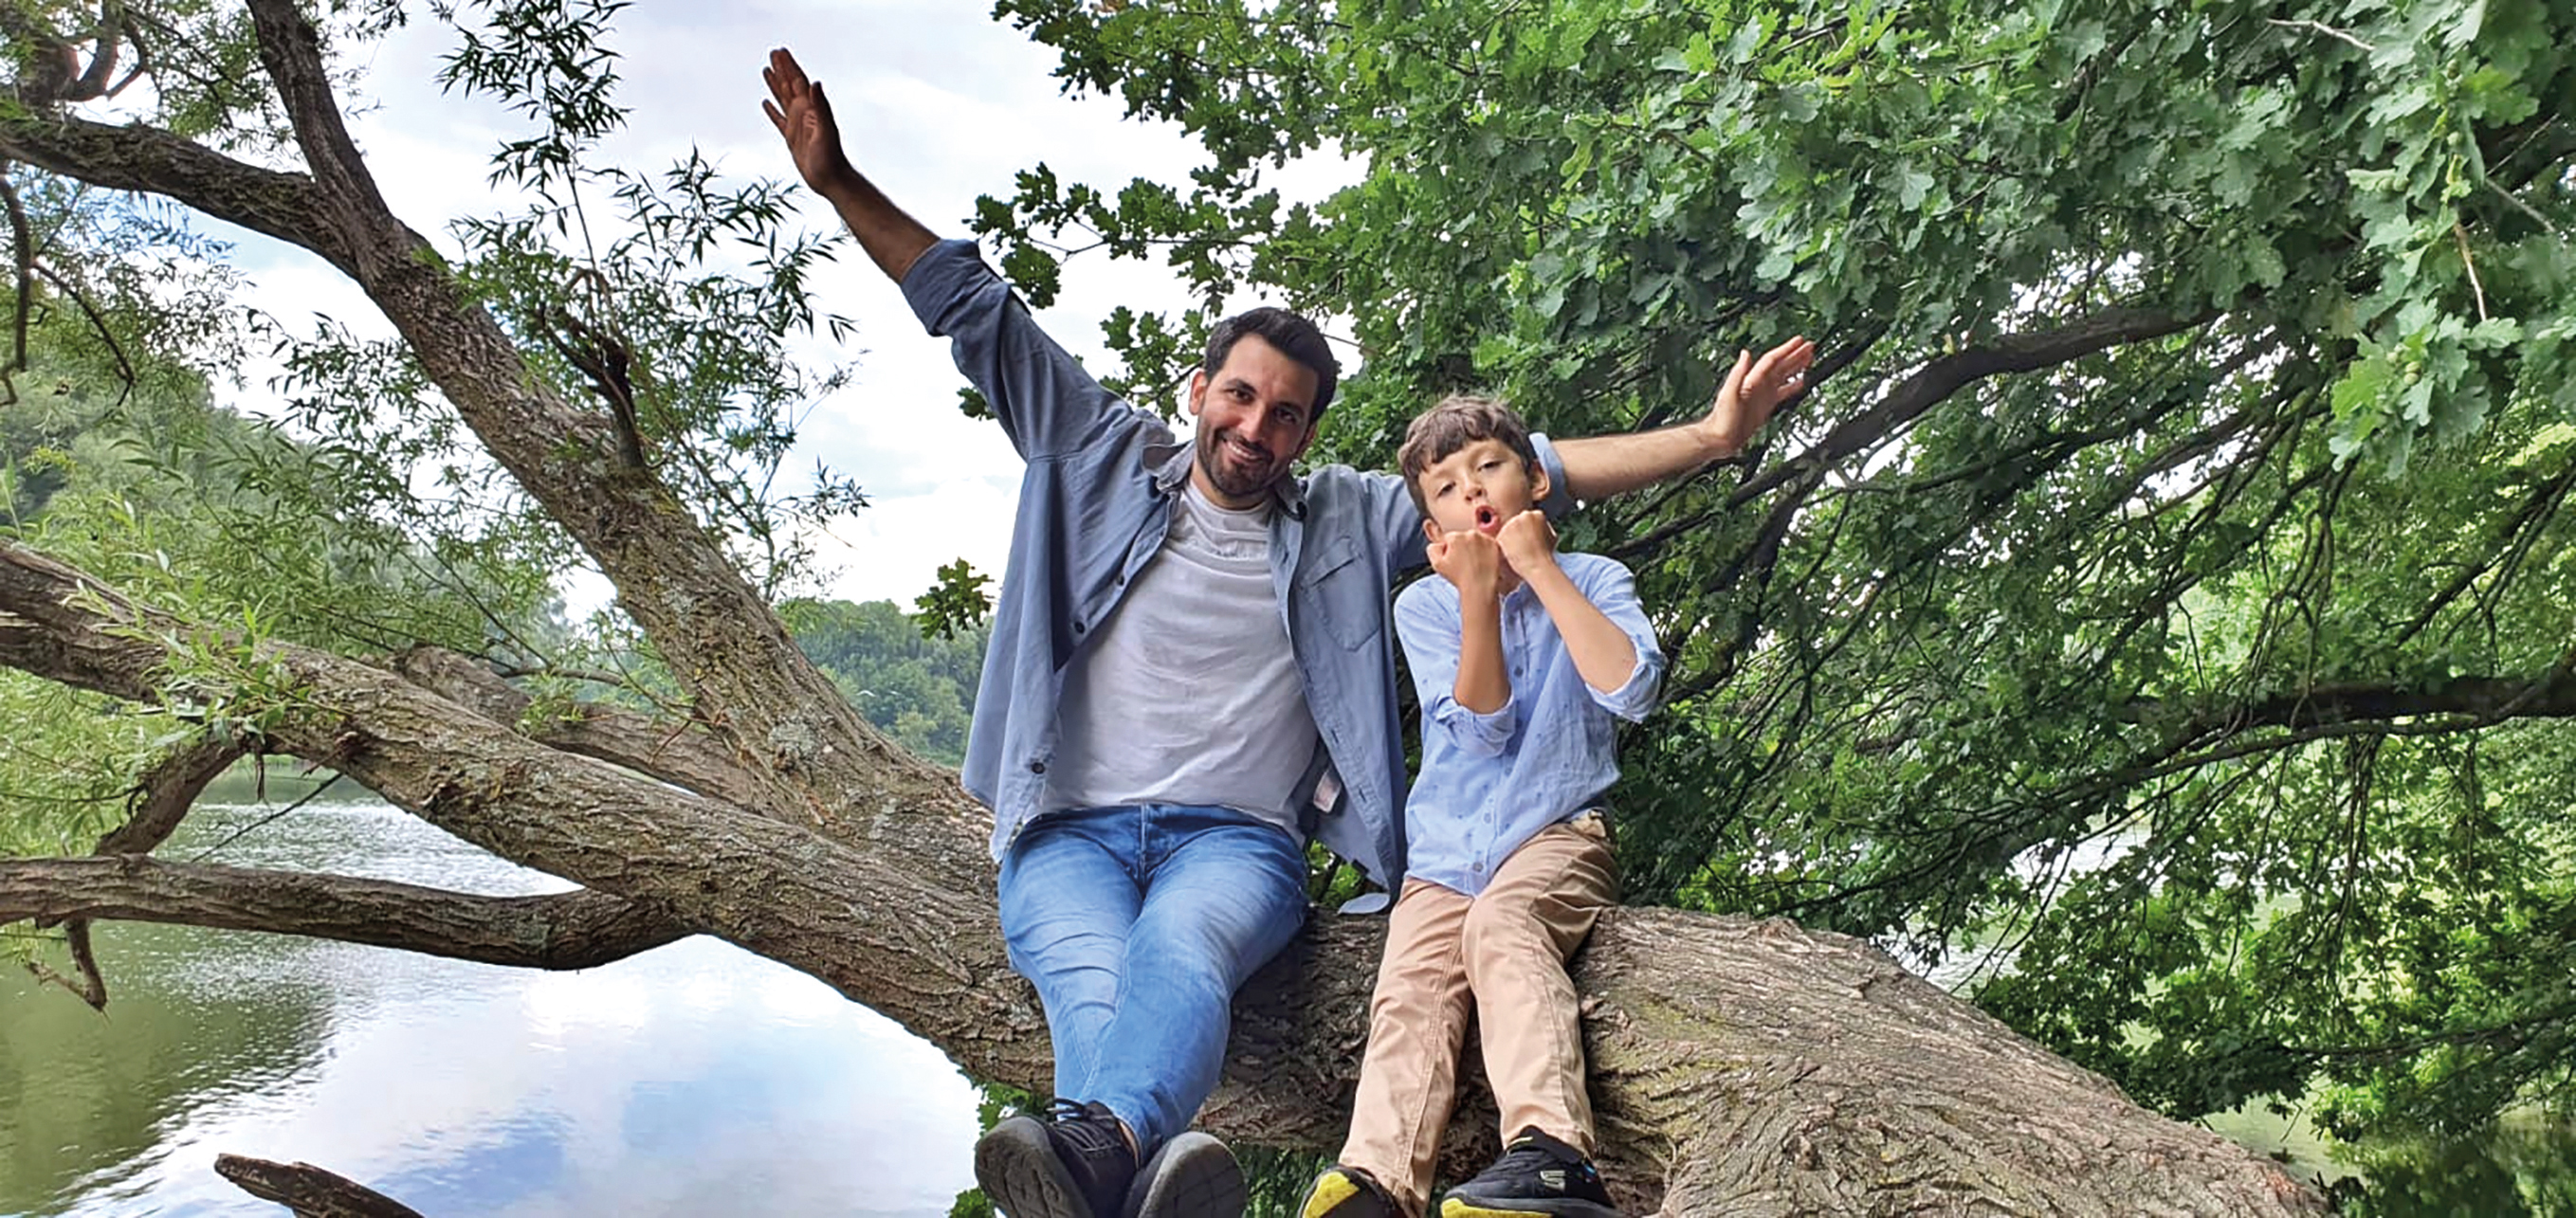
[1346, 593]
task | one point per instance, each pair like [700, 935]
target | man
[1190, 673]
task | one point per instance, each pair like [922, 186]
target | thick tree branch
[149, 160]
[565, 930]
[2485, 700]
[749, 682]
[160, 799]
[292, 52]
[923, 909]
[64, 626]
[682, 754]
[1945, 376]
[163, 795]
[1694, 1023]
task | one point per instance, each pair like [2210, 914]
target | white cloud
[893, 550]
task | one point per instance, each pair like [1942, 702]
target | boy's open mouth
[1486, 518]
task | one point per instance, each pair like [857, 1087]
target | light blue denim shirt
[1095, 504]
[1491, 781]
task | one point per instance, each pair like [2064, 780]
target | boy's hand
[1469, 560]
[1528, 542]
[803, 117]
[1753, 390]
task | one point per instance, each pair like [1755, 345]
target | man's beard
[1232, 481]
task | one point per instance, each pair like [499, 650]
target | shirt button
[1037, 767]
[1077, 627]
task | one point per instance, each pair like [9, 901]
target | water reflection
[2522, 1167]
[693, 1079]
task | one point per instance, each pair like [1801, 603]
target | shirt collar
[1175, 469]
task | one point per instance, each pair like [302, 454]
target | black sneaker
[1191, 1176]
[1347, 1192]
[1073, 1164]
[1536, 1175]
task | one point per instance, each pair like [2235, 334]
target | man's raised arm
[803, 117]
[1598, 467]
[1044, 400]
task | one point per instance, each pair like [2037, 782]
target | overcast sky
[938, 103]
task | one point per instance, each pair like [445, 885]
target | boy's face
[1256, 415]
[1477, 488]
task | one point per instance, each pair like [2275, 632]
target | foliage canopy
[2161, 609]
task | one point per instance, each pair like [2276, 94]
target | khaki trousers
[1501, 955]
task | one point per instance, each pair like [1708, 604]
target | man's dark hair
[1458, 421]
[1296, 338]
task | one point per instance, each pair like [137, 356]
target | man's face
[1477, 488]
[1256, 415]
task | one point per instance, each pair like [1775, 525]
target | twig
[92, 986]
[2327, 30]
[264, 821]
[2465, 260]
[106, 336]
[2527, 209]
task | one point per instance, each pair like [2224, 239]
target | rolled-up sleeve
[1426, 622]
[1613, 591]
[1559, 501]
[1046, 403]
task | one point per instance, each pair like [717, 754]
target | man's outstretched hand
[1754, 389]
[803, 116]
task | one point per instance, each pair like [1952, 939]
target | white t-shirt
[1189, 693]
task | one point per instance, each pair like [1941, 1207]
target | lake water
[695, 1079]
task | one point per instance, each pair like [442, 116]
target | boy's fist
[1469, 560]
[1528, 542]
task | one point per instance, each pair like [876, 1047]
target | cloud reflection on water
[697, 1078]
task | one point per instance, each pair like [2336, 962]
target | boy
[1521, 656]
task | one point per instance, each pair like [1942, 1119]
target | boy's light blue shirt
[1095, 504]
[1491, 782]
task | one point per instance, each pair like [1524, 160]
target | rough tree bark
[1740, 1068]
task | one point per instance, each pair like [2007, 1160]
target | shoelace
[1525, 1159]
[1090, 1134]
[1533, 1158]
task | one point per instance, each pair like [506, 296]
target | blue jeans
[1137, 924]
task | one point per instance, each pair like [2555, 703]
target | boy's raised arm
[803, 116]
[1598, 467]
[1608, 655]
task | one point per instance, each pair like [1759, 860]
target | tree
[2165, 593]
[1745, 1065]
